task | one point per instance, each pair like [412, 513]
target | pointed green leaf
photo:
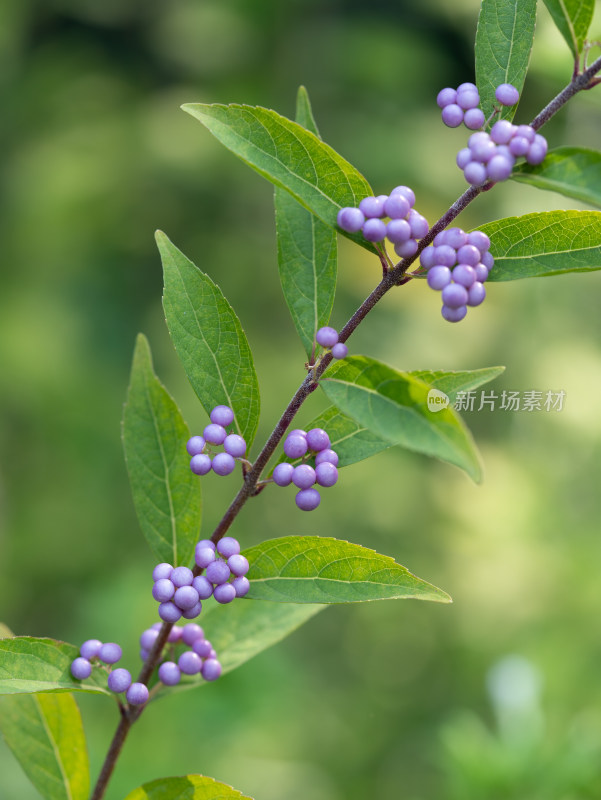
[209, 340]
[186, 787]
[289, 156]
[573, 18]
[571, 171]
[29, 664]
[307, 254]
[304, 112]
[242, 630]
[46, 736]
[314, 569]
[394, 405]
[166, 493]
[545, 243]
[503, 43]
[458, 380]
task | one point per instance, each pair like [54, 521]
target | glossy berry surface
[211, 669]
[295, 446]
[303, 476]
[214, 433]
[318, 439]
[223, 464]
[169, 612]
[163, 590]
[189, 662]
[340, 350]
[326, 336]
[218, 572]
[191, 632]
[186, 598]
[224, 593]
[181, 576]
[238, 564]
[81, 668]
[119, 680]
[137, 694]
[234, 445]
[241, 586]
[327, 455]
[162, 570]
[195, 445]
[228, 546]
[90, 648]
[203, 556]
[203, 586]
[350, 219]
[200, 464]
[282, 474]
[169, 673]
[110, 653]
[326, 474]
[507, 94]
[308, 499]
[222, 415]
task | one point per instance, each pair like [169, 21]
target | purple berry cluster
[303, 445]
[180, 593]
[328, 337]
[119, 680]
[199, 447]
[461, 105]
[199, 657]
[405, 225]
[491, 156]
[458, 264]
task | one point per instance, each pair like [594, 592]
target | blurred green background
[496, 696]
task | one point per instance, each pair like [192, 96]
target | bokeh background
[495, 696]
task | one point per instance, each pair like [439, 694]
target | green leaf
[571, 171]
[312, 569]
[166, 493]
[503, 43]
[545, 243]
[242, 630]
[209, 340]
[186, 787]
[29, 664]
[307, 254]
[46, 736]
[289, 156]
[573, 18]
[304, 112]
[394, 405]
[457, 381]
[5, 631]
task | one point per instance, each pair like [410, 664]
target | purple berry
[398, 230]
[397, 206]
[307, 499]
[452, 115]
[218, 572]
[200, 464]
[206, 543]
[295, 445]
[223, 464]
[476, 294]
[454, 295]
[110, 653]
[446, 97]
[519, 146]
[464, 274]
[148, 638]
[453, 314]
[407, 193]
[487, 260]
[214, 433]
[456, 238]
[419, 225]
[90, 648]
[202, 647]
[191, 632]
[479, 239]
[507, 94]
[481, 272]
[211, 669]
[499, 168]
[174, 635]
[326, 474]
[195, 445]
[203, 586]
[303, 476]
[189, 663]
[445, 255]
[327, 457]
[234, 445]
[162, 570]
[169, 673]
[340, 350]
[467, 86]
[203, 556]
[350, 219]
[483, 150]
[192, 613]
[318, 439]
[282, 474]
[181, 576]
[537, 151]
[185, 598]
[468, 254]
[238, 564]
[119, 680]
[81, 668]
[502, 131]
[169, 612]
[464, 156]
[439, 277]
[163, 590]
[473, 119]
[137, 694]
[374, 230]
[475, 173]
[222, 415]
[228, 546]
[468, 99]
[371, 207]
[527, 131]
[428, 257]
[326, 337]
[241, 586]
[224, 593]
[406, 249]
